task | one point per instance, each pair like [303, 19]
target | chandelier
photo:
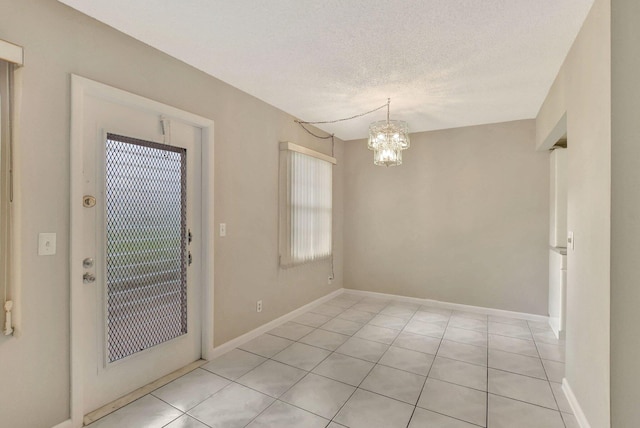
[388, 138]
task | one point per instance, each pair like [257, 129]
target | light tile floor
[366, 363]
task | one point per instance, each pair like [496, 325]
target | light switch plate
[46, 244]
[223, 229]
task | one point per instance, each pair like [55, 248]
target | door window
[146, 240]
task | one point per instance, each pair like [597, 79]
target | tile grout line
[519, 374]
[308, 372]
[525, 402]
[377, 363]
[276, 399]
[440, 339]
[389, 345]
[555, 400]
[150, 393]
[356, 388]
[452, 383]
[428, 373]
[486, 419]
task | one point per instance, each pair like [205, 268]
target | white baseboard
[575, 406]
[453, 306]
[66, 424]
[241, 340]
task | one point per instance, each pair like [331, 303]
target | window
[10, 59]
[306, 213]
[5, 134]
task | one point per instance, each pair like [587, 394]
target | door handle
[88, 278]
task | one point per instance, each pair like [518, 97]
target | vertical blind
[11, 59]
[6, 124]
[306, 214]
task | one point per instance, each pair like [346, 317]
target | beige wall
[34, 369]
[585, 81]
[465, 219]
[549, 120]
[625, 214]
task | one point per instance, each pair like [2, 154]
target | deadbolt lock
[87, 263]
[88, 201]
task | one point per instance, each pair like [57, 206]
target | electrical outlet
[259, 306]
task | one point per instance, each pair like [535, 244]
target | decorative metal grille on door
[146, 239]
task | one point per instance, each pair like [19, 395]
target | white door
[141, 317]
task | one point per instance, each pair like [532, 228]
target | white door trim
[80, 88]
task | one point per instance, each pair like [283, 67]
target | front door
[141, 228]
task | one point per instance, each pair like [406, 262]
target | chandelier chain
[388, 104]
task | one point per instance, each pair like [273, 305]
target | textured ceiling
[443, 63]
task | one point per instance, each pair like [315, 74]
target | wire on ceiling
[302, 123]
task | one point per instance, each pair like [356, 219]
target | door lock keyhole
[88, 201]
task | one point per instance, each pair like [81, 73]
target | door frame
[559, 131]
[82, 88]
